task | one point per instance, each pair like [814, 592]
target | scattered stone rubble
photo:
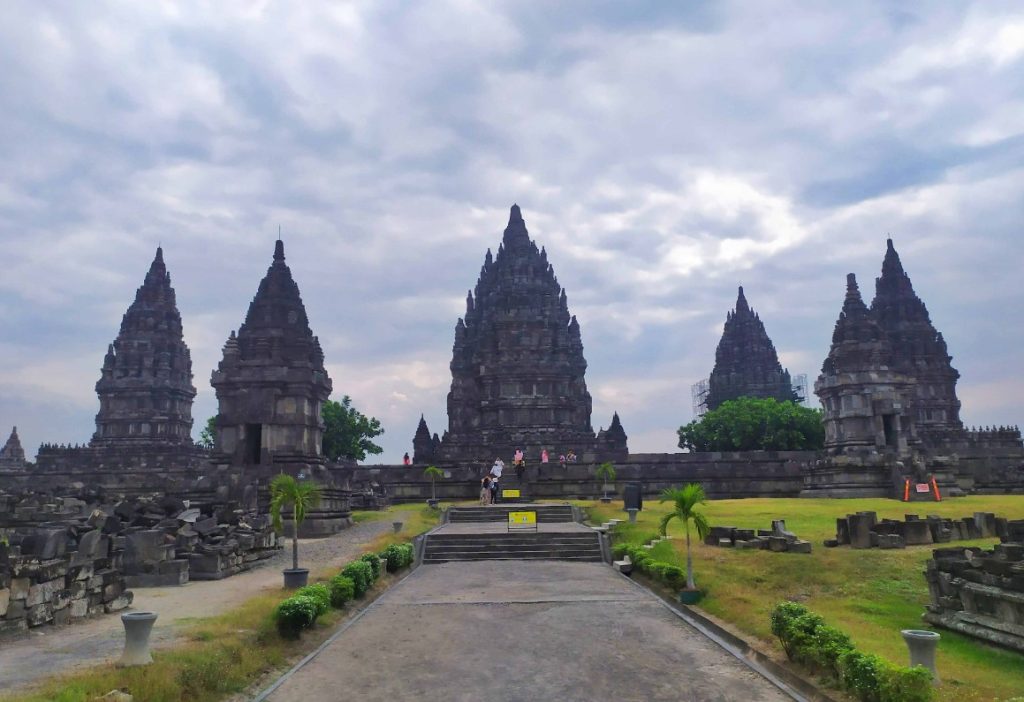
[56, 575]
[864, 530]
[777, 539]
[981, 593]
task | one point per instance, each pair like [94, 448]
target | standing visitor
[485, 490]
[496, 471]
[406, 460]
[571, 457]
[561, 460]
[543, 455]
[518, 458]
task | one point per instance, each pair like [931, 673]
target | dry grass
[870, 594]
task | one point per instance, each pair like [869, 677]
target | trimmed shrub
[295, 614]
[374, 561]
[802, 634]
[397, 556]
[906, 684]
[674, 576]
[342, 590]
[319, 592]
[361, 575]
[862, 674]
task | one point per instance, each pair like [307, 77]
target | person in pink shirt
[543, 455]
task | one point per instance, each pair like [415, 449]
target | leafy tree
[208, 434]
[751, 424]
[433, 472]
[606, 474]
[348, 432]
[685, 501]
[286, 490]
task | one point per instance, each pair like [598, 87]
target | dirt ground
[47, 650]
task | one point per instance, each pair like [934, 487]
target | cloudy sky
[663, 153]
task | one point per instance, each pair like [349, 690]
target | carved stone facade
[746, 363]
[271, 383]
[864, 400]
[517, 362]
[424, 446]
[145, 389]
[12, 455]
[919, 351]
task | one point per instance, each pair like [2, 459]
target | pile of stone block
[777, 539]
[980, 593]
[865, 530]
[59, 574]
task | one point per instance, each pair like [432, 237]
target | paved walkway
[522, 631]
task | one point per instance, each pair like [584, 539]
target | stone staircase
[546, 514]
[491, 542]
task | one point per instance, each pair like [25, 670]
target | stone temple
[12, 455]
[746, 364]
[517, 365]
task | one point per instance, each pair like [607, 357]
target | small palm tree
[286, 490]
[685, 501]
[606, 474]
[433, 472]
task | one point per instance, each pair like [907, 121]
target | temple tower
[746, 364]
[145, 389]
[517, 362]
[919, 351]
[271, 383]
[423, 448]
[12, 455]
[864, 398]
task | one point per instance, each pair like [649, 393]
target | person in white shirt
[496, 470]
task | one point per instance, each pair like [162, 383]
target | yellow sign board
[522, 518]
[510, 493]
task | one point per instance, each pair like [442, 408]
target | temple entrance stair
[546, 514]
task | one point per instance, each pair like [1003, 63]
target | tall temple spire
[271, 382]
[918, 348]
[746, 363]
[12, 455]
[145, 389]
[517, 361]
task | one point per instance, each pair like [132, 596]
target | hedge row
[671, 575]
[301, 610]
[807, 639]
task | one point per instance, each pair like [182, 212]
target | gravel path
[48, 650]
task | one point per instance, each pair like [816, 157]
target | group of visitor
[489, 484]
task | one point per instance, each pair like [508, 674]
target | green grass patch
[871, 594]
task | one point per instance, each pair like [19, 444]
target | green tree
[286, 490]
[606, 474]
[208, 434]
[685, 501]
[433, 472]
[752, 424]
[348, 432]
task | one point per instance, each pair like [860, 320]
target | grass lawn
[228, 654]
[870, 594]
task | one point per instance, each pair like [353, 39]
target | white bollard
[137, 627]
[922, 646]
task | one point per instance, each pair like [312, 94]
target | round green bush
[319, 592]
[295, 614]
[862, 674]
[361, 575]
[374, 561]
[342, 590]
[397, 556]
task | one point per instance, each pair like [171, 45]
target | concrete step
[477, 547]
[499, 513]
[485, 545]
[490, 557]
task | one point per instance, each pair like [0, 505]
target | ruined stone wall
[723, 475]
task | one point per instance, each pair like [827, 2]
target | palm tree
[433, 472]
[606, 473]
[685, 501]
[286, 490]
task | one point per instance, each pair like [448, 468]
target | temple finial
[515, 215]
[279, 250]
[741, 301]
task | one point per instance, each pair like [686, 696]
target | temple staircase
[482, 534]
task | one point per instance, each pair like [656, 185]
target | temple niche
[918, 350]
[746, 363]
[517, 364]
[145, 387]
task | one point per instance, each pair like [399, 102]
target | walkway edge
[785, 680]
[262, 696]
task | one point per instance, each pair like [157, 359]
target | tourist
[406, 460]
[571, 456]
[543, 455]
[518, 458]
[485, 490]
[496, 471]
[561, 459]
